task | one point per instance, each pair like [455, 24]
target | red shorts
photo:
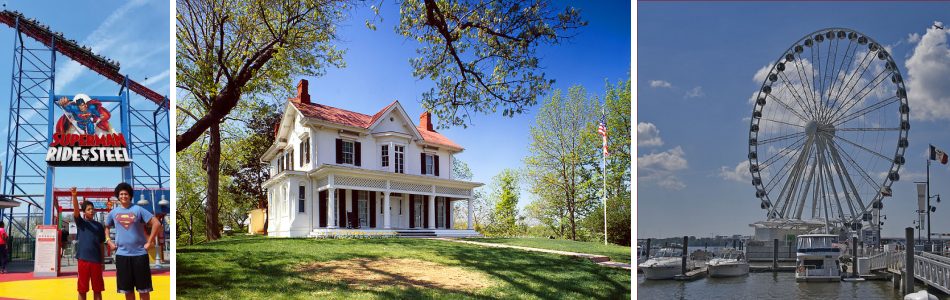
[90, 271]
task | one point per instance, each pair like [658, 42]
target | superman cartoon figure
[87, 113]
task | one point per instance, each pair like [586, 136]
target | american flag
[602, 130]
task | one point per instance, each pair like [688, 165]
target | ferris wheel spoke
[864, 111]
[840, 68]
[882, 156]
[857, 98]
[780, 138]
[786, 195]
[807, 81]
[772, 182]
[803, 197]
[789, 108]
[869, 129]
[831, 181]
[824, 74]
[816, 93]
[782, 153]
[800, 97]
[854, 80]
[845, 180]
[780, 122]
[807, 94]
[856, 166]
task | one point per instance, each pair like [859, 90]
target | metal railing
[930, 268]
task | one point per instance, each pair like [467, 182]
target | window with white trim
[400, 152]
[302, 199]
[348, 152]
[384, 155]
[430, 164]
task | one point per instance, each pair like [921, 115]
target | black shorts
[132, 272]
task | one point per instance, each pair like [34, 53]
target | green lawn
[263, 268]
[616, 253]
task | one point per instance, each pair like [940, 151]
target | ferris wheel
[828, 129]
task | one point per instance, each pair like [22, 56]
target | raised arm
[76, 214]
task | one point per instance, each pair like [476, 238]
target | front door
[363, 211]
[419, 213]
[396, 212]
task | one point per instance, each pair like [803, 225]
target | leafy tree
[249, 173]
[481, 55]
[190, 180]
[617, 106]
[561, 155]
[227, 49]
[506, 192]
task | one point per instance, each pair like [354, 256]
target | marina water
[765, 286]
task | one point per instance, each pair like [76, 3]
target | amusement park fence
[21, 248]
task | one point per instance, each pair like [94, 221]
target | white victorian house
[338, 172]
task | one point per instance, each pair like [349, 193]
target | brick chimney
[425, 119]
[302, 93]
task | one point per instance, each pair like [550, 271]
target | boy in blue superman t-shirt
[131, 259]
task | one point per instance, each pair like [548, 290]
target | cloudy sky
[698, 64]
[134, 33]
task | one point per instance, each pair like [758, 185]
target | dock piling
[854, 257]
[685, 253]
[908, 285]
[774, 255]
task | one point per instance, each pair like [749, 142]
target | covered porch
[343, 202]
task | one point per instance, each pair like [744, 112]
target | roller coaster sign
[83, 136]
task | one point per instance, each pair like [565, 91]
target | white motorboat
[665, 264]
[817, 258]
[730, 263]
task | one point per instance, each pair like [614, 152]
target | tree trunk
[191, 229]
[213, 157]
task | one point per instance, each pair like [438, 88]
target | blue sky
[134, 33]
[696, 64]
[378, 72]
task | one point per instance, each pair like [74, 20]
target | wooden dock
[768, 268]
[692, 275]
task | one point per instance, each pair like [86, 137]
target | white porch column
[386, 211]
[431, 211]
[469, 214]
[331, 207]
[314, 204]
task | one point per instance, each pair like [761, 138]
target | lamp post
[143, 202]
[162, 203]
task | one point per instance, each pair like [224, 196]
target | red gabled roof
[355, 119]
[436, 138]
[332, 114]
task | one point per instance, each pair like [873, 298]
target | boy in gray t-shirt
[131, 259]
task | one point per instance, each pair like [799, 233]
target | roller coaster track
[81, 54]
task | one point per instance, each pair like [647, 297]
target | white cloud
[660, 84]
[928, 69]
[696, 92]
[156, 78]
[103, 40]
[648, 135]
[660, 168]
[740, 173]
[760, 75]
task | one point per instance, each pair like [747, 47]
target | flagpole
[604, 112]
[928, 195]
